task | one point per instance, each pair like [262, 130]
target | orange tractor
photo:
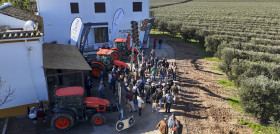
[104, 61]
[71, 106]
[122, 47]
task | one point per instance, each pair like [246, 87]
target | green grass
[259, 129]
[225, 82]
[235, 104]
[177, 37]
[212, 59]
[217, 69]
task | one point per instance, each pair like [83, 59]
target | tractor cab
[105, 56]
[121, 44]
[105, 60]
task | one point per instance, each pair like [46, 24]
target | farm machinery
[104, 61]
[71, 106]
[122, 47]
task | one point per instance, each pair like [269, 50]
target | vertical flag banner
[75, 30]
[116, 20]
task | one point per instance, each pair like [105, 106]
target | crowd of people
[151, 81]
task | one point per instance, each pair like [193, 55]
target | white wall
[11, 21]
[58, 18]
[23, 72]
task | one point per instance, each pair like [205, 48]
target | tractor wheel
[117, 55]
[97, 119]
[62, 121]
[96, 69]
[134, 58]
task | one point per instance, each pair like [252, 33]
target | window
[137, 6]
[101, 34]
[74, 7]
[100, 7]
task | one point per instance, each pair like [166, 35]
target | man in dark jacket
[113, 83]
[159, 42]
[88, 85]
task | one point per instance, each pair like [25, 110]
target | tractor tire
[96, 69]
[97, 119]
[62, 122]
[134, 58]
[117, 55]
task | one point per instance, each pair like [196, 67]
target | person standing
[155, 98]
[88, 85]
[101, 89]
[113, 83]
[175, 69]
[162, 126]
[109, 79]
[129, 97]
[159, 43]
[101, 76]
[147, 90]
[153, 73]
[178, 128]
[169, 99]
[162, 74]
[172, 123]
[140, 102]
[174, 91]
[155, 42]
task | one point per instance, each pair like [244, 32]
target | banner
[75, 30]
[147, 32]
[116, 20]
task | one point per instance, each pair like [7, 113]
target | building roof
[57, 56]
[20, 34]
[20, 14]
[104, 52]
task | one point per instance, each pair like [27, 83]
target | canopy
[57, 56]
[69, 91]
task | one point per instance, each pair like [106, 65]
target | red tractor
[104, 61]
[122, 47]
[70, 106]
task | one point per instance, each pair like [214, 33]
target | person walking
[162, 126]
[159, 43]
[169, 99]
[140, 102]
[88, 85]
[155, 42]
[172, 123]
[129, 97]
[178, 128]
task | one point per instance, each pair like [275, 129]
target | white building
[59, 15]
[21, 59]
[28, 66]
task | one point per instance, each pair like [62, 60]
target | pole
[132, 55]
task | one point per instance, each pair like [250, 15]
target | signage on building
[116, 20]
[75, 30]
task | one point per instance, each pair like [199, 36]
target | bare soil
[203, 107]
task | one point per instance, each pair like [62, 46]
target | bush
[261, 97]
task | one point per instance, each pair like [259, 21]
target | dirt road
[203, 107]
